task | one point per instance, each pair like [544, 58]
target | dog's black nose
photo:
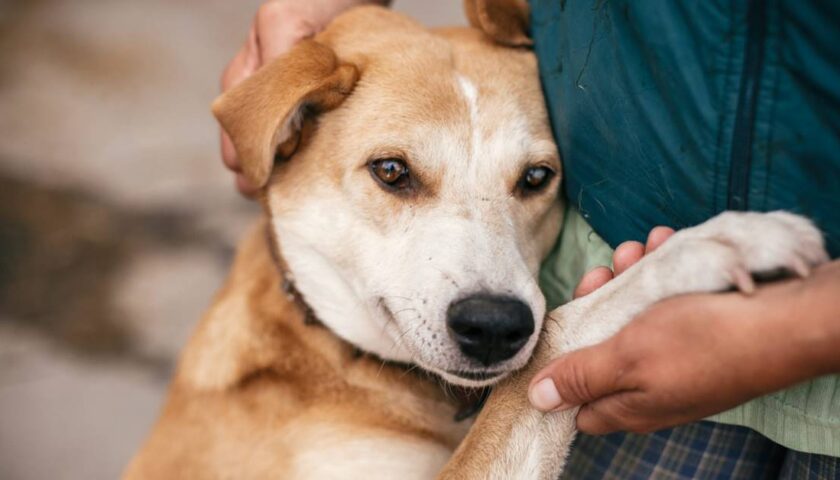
[489, 329]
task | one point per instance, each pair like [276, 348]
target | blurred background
[117, 219]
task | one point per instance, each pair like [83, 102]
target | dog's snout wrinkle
[490, 329]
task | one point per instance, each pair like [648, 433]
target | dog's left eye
[391, 172]
[535, 179]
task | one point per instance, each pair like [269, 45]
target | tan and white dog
[411, 191]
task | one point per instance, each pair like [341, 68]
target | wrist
[817, 318]
[795, 328]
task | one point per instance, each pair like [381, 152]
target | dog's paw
[730, 248]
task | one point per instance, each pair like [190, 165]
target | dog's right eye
[392, 173]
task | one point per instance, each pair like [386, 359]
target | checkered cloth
[703, 450]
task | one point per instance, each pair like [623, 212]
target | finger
[620, 412]
[233, 73]
[593, 280]
[576, 378]
[657, 237]
[243, 65]
[602, 417]
[229, 153]
[245, 187]
[252, 45]
[278, 28]
[626, 255]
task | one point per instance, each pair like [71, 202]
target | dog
[410, 185]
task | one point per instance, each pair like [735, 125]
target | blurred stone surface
[64, 417]
[117, 221]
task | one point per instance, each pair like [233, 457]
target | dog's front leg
[512, 440]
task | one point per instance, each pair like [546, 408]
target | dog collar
[287, 281]
[470, 400]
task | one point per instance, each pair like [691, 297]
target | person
[666, 113]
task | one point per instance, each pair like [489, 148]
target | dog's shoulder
[249, 321]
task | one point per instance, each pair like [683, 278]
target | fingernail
[744, 281]
[800, 267]
[544, 396]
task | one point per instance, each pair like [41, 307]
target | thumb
[576, 378]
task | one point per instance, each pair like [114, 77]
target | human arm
[693, 356]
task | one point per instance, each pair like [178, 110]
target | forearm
[815, 319]
[794, 330]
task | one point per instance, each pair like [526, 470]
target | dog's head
[412, 180]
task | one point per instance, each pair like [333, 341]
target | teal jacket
[668, 112]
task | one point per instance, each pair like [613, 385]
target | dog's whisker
[404, 333]
[398, 297]
[381, 367]
[410, 369]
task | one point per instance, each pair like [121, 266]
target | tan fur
[256, 112]
[257, 389]
[408, 101]
[258, 392]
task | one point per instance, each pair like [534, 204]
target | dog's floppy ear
[505, 21]
[263, 114]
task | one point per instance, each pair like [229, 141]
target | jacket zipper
[742, 134]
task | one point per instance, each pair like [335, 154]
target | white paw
[726, 250]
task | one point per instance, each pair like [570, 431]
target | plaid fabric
[703, 450]
[809, 466]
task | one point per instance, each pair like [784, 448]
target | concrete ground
[117, 220]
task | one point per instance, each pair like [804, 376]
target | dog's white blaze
[470, 92]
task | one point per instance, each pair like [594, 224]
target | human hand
[277, 26]
[693, 356]
[627, 254]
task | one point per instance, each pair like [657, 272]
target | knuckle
[229, 158]
[629, 410]
[597, 420]
[230, 161]
[573, 383]
[284, 24]
[271, 12]
[300, 28]
[626, 350]
[284, 18]
[586, 422]
[635, 425]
